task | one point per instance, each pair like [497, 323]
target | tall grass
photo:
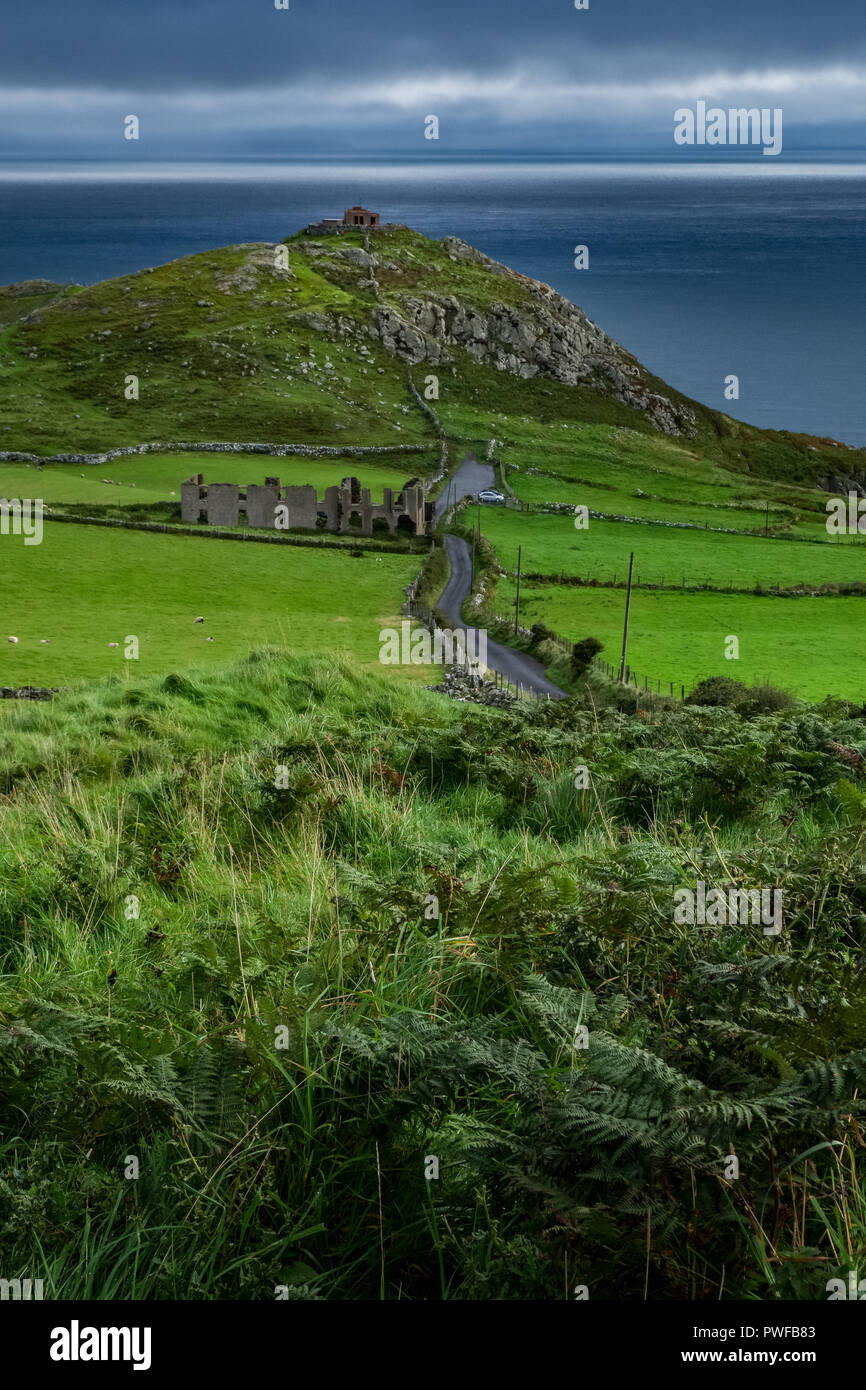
[281, 1002]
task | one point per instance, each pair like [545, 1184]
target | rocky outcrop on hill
[26, 289]
[260, 261]
[855, 482]
[547, 335]
[544, 335]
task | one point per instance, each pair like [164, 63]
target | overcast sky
[236, 77]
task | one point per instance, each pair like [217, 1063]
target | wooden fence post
[625, 623]
[517, 599]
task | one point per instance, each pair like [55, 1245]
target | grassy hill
[393, 955]
[227, 344]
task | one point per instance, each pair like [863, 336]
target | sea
[705, 272]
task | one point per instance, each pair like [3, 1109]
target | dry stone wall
[310, 451]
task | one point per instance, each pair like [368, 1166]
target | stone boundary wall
[567, 509]
[267, 538]
[440, 433]
[310, 451]
[503, 471]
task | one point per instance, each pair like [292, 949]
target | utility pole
[625, 625]
[517, 601]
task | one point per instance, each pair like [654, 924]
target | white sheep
[13, 639]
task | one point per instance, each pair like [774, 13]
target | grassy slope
[290, 1031]
[627, 473]
[217, 341]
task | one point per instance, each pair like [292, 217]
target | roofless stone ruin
[270, 506]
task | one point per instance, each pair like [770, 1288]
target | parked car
[492, 497]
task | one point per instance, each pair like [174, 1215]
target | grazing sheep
[13, 639]
[114, 644]
[45, 641]
[208, 639]
[198, 620]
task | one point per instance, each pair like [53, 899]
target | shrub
[766, 699]
[541, 633]
[718, 690]
[723, 691]
[582, 654]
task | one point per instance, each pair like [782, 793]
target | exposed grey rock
[246, 277]
[356, 256]
[29, 692]
[320, 323]
[547, 336]
[855, 483]
[26, 288]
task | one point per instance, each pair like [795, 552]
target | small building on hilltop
[360, 217]
[329, 226]
[356, 217]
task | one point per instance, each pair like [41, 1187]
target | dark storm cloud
[201, 43]
[242, 75]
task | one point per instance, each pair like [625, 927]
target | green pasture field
[626, 458]
[145, 478]
[85, 587]
[811, 646]
[551, 544]
[538, 490]
[605, 469]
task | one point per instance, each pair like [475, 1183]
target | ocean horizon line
[850, 164]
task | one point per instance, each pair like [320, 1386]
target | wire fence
[644, 683]
[630, 677]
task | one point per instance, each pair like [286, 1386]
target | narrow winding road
[516, 666]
